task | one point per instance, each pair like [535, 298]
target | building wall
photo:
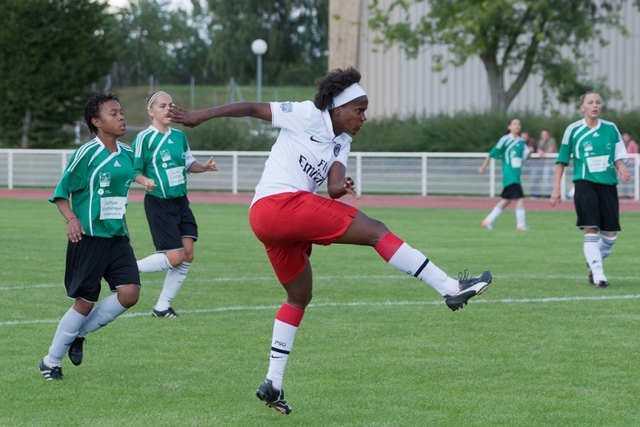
[403, 87]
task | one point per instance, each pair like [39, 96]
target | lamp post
[259, 48]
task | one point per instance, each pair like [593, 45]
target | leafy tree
[155, 37]
[295, 31]
[509, 36]
[50, 52]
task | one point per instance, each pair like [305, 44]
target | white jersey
[304, 151]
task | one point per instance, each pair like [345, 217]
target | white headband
[153, 98]
[349, 94]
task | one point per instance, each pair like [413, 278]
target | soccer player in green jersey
[512, 150]
[162, 160]
[92, 197]
[599, 158]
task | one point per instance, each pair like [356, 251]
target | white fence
[375, 173]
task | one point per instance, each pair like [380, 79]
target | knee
[128, 295]
[176, 258]
[188, 257]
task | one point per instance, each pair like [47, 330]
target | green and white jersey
[594, 150]
[512, 151]
[96, 181]
[165, 158]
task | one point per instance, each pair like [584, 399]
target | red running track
[451, 202]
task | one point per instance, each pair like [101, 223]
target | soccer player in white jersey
[599, 158]
[512, 150]
[288, 217]
[162, 160]
[92, 197]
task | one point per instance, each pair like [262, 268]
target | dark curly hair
[334, 83]
[92, 109]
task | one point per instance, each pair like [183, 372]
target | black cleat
[468, 288]
[166, 313]
[602, 284]
[75, 351]
[50, 372]
[273, 398]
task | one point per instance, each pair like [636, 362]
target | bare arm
[623, 172]
[147, 183]
[484, 165]
[74, 227]
[259, 110]
[557, 179]
[208, 166]
[338, 184]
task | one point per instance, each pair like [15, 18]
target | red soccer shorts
[289, 223]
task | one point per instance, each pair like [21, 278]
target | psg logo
[336, 149]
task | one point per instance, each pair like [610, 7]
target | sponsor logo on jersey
[286, 107]
[117, 164]
[317, 173]
[596, 134]
[314, 139]
[336, 149]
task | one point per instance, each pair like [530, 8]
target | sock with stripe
[605, 244]
[284, 331]
[403, 257]
[154, 263]
[172, 284]
[108, 309]
[65, 334]
[594, 257]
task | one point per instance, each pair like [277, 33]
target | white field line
[359, 304]
[159, 279]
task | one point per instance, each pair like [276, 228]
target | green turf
[377, 348]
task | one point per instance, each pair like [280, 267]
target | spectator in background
[513, 151]
[632, 148]
[531, 143]
[546, 145]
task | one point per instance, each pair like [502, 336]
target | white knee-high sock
[520, 218]
[172, 284]
[403, 257]
[495, 213]
[594, 257]
[605, 244]
[65, 334]
[284, 331]
[154, 263]
[108, 309]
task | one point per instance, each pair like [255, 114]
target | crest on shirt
[105, 179]
[336, 149]
[286, 107]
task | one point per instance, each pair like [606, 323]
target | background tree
[50, 53]
[510, 37]
[154, 36]
[295, 31]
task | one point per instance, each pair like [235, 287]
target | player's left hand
[623, 173]
[210, 165]
[350, 186]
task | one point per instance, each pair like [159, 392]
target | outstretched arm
[259, 110]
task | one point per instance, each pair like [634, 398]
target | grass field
[376, 348]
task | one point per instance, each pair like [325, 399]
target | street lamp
[259, 48]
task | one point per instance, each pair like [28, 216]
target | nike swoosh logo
[315, 140]
[274, 357]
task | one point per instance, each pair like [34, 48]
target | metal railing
[375, 173]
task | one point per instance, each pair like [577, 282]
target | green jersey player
[92, 197]
[512, 150]
[599, 157]
[162, 160]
